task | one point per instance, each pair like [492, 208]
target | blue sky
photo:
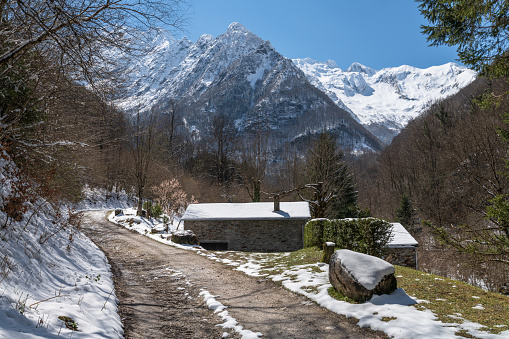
[376, 33]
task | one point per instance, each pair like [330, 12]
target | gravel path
[158, 285]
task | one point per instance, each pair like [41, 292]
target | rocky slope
[242, 77]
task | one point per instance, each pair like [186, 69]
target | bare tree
[224, 139]
[77, 39]
[142, 148]
[255, 157]
[76, 28]
[172, 198]
[174, 140]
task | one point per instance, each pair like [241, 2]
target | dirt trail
[157, 302]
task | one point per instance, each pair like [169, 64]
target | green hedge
[367, 235]
[313, 232]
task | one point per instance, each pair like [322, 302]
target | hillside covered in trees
[439, 175]
[445, 176]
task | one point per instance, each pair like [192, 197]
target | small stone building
[402, 249]
[252, 227]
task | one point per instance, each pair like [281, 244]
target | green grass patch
[305, 256]
[450, 299]
[275, 263]
[340, 296]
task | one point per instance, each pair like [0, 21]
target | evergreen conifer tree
[405, 213]
[325, 164]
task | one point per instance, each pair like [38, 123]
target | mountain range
[385, 101]
[243, 77]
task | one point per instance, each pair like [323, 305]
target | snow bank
[100, 198]
[45, 274]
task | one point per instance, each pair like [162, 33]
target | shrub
[368, 235]
[155, 210]
[345, 233]
[313, 232]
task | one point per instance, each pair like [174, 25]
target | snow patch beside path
[50, 271]
[230, 322]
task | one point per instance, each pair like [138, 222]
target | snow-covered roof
[247, 211]
[401, 237]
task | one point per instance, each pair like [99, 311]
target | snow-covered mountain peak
[317, 67]
[237, 34]
[237, 27]
[204, 39]
[156, 38]
[181, 68]
[360, 68]
[331, 64]
[328, 63]
[243, 77]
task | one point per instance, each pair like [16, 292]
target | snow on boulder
[358, 276]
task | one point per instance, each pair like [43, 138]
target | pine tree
[405, 213]
[479, 29]
[325, 164]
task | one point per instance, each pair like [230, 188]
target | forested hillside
[443, 168]
[445, 176]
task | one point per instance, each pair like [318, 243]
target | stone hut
[402, 249]
[252, 227]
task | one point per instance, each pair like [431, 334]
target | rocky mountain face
[385, 101]
[243, 78]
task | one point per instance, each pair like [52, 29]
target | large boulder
[186, 237]
[358, 276]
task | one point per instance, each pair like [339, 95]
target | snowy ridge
[176, 68]
[241, 76]
[390, 97]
